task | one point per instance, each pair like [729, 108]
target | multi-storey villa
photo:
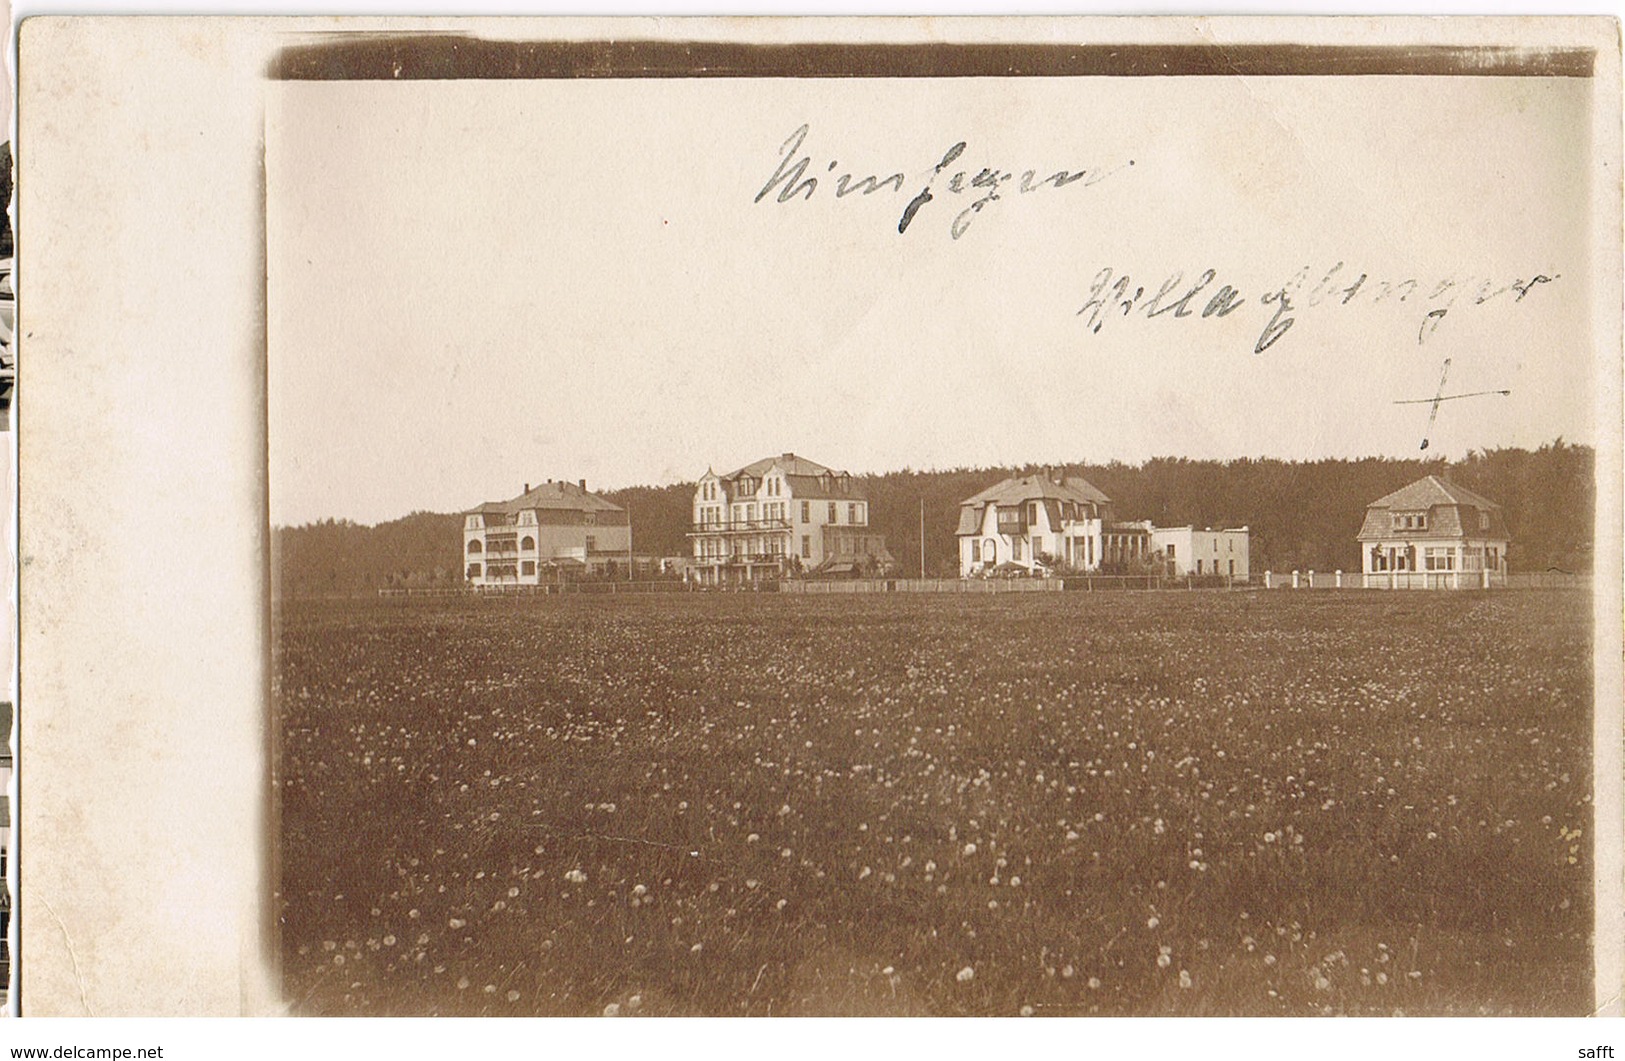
[1433, 534]
[549, 532]
[780, 516]
[1042, 521]
[1048, 520]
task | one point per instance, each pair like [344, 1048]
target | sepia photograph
[1045, 529]
[796, 517]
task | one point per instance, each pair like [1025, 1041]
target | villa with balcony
[548, 533]
[782, 516]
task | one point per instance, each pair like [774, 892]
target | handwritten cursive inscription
[1113, 295]
[978, 187]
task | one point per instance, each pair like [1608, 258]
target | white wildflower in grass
[612, 1010]
[1067, 972]
[696, 948]
[752, 838]
[637, 889]
[513, 996]
[457, 922]
[389, 941]
[1094, 983]
[1152, 922]
[970, 849]
[575, 876]
[1184, 978]
[966, 975]
[1026, 1011]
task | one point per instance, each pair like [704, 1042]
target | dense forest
[1303, 514]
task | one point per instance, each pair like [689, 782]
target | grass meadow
[1067, 804]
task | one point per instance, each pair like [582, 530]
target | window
[1032, 512]
[1015, 549]
[1171, 553]
[1440, 559]
[990, 550]
[852, 513]
[592, 544]
[832, 517]
[527, 543]
[1198, 567]
[589, 518]
[528, 567]
[473, 570]
[806, 546]
[975, 551]
[806, 512]
[1215, 545]
[1483, 520]
[474, 546]
[1232, 567]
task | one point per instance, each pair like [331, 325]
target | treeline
[1303, 514]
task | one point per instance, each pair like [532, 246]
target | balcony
[740, 526]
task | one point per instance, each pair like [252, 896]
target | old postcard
[908, 518]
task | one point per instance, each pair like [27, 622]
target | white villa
[1202, 551]
[1045, 520]
[549, 532]
[782, 515]
[1433, 534]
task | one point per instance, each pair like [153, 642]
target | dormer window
[1483, 520]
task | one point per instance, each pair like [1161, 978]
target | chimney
[527, 488]
[789, 456]
[583, 485]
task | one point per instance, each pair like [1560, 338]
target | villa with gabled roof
[1040, 521]
[548, 532]
[779, 516]
[1433, 534]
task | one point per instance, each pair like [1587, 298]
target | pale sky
[474, 285]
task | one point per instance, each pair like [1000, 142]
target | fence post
[1339, 577]
[1267, 584]
[1311, 578]
[1295, 583]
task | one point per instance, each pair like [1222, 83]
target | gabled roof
[1014, 491]
[806, 478]
[1432, 490]
[559, 495]
[1444, 501]
[788, 463]
[1018, 490]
